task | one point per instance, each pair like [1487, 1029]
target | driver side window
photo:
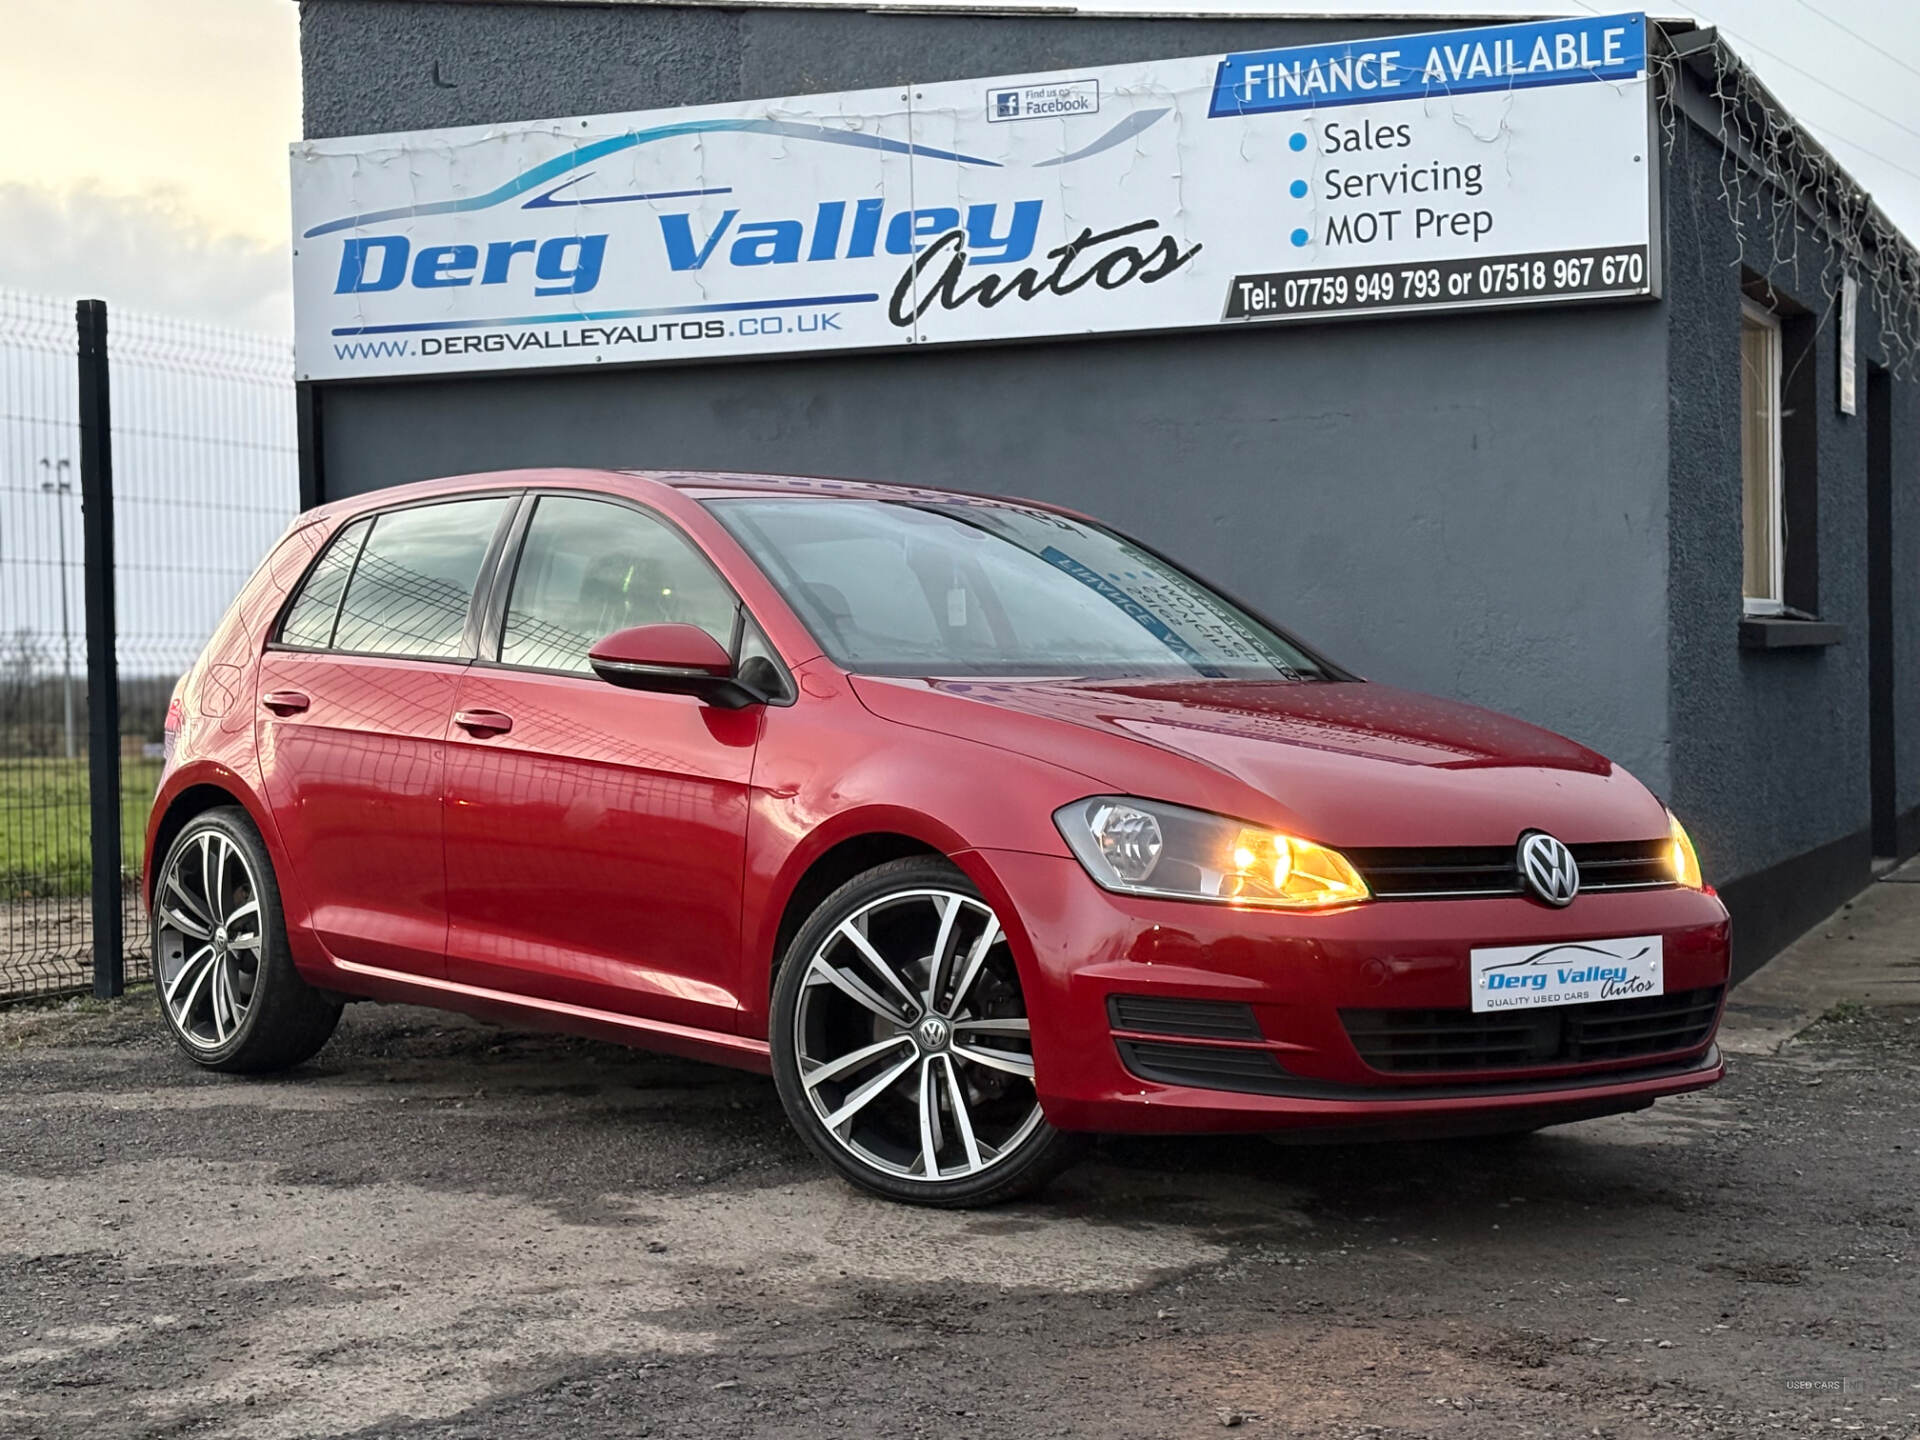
[591, 567]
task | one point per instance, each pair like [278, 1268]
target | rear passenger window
[310, 619]
[409, 592]
[589, 568]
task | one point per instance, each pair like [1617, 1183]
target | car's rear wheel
[901, 1045]
[227, 984]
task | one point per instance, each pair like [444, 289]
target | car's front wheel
[227, 983]
[901, 1046]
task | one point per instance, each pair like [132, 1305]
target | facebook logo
[1057, 101]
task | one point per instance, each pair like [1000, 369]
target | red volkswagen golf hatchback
[979, 825]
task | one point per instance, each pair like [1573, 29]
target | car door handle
[482, 723]
[285, 702]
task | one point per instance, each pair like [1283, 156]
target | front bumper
[1306, 982]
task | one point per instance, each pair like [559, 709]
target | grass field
[44, 824]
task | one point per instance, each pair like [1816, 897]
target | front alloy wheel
[901, 1042]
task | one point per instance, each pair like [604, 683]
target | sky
[143, 143]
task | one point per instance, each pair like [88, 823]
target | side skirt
[739, 1051]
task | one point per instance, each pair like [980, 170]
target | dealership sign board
[1508, 165]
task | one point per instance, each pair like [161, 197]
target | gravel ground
[440, 1229]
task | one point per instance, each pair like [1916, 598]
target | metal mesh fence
[205, 477]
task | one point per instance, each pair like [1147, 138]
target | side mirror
[672, 660]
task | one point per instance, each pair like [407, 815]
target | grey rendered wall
[375, 65]
[1468, 505]
[1770, 748]
[1906, 606]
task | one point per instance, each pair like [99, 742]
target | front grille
[1165, 1015]
[1633, 865]
[1431, 1041]
[1449, 871]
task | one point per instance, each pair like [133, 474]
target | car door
[354, 698]
[596, 836]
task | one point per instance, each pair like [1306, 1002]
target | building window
[1762, 507]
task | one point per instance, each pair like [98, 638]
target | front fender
[828, 771]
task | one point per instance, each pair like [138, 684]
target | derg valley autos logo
[1565, 966]
[940, 243]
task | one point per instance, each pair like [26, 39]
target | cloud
[145, 252]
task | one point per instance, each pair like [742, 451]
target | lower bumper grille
[1440, 1041]
[1208, 1067]
[1170, 1015]
[1255, 1072]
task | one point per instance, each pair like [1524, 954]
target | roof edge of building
[1846, 206]
[1113, 9]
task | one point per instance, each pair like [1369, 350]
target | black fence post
[103, 669]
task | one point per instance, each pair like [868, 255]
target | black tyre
[901, 1047]
[226, 981]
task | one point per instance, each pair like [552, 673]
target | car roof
[706, 484]
[694, 484]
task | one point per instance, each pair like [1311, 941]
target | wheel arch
[190, 793]
[827, 871]
[192, 801]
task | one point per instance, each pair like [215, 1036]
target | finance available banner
[1504, 165]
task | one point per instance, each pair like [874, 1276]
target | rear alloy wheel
[901, 1042]
[227, 985]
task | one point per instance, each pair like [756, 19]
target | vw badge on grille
[1548, 868]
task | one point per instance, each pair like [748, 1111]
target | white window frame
[1775, 603]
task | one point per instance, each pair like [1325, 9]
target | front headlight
[1144, 847]
[1686, 864]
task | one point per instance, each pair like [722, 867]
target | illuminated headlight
[1686, 864]
[1144, 847]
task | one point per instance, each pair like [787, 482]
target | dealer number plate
[1567, 972]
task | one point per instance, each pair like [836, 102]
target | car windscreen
[978, 587]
